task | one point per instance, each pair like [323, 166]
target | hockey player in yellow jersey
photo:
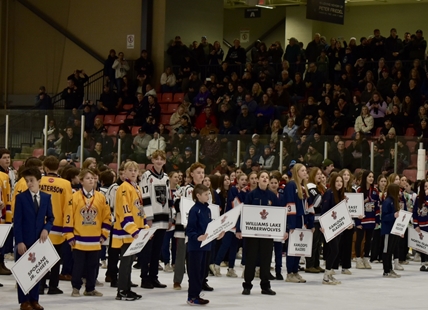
[5, 207]
[129, 220]
[60, 191]
[87, 225]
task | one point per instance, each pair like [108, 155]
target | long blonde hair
[299, 182]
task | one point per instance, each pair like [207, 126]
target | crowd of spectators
[304, 96]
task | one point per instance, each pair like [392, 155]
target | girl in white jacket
[364, 122]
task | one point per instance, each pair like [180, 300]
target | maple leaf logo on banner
[264, 214]
[421, 236]
[404, 216]
[301, 236]
[334, 215]
[32, 257]
[224, 219]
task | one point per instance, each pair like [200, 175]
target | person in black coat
[236, 54]
[109, 72]
[144, 66]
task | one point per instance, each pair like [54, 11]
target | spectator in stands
[121, 67]
[267, 160]
[185, 125]
[203, 51]
[152, 108]
[157, 143]
[90, 112]
[246, 122]
[177, 51]
[338, 123]
[250, 103]
[377, 45]
[291, 128]
[377, 107]
[174, 160]
[292, 51]
[228, 136]
[314, 48]
[69, 144]
[364, 122]
[175, 120]
[141, 142]
[265, 112]
[127, 145]
[216, 54]
[193, 86]
[311, 109]
[358, 149]
[422, 114]
[168, 81]
[393, 46]
[200, 100]
[207, 114]
[399, 121]
[389, 163]
[414, 93]
[313, 81]
[340, 156]
[236, 54]
[109, 72]
[384, 84]
[54, 146]
[137, 111]
[251, 154]
[43, 100]
[255, 141]
[71, 95]
[354, 109]
[224, 113]
[367, 94]
[107, 146]
[281, 98]
[164, 132]
[110, 102]
[150, 125]
[368, 78]
[418, 46]
[211, 150]
[80, 78]
[97, 153]
[188, 159]
[144, 66]
[209, 127]
[422, 132]
[88, 145]
[312, 158]
[305, 129]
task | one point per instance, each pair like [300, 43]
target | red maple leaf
[32, 257]
[334, 215]
[421, 236]
[264, 214]
[301, 236]
[224, 219]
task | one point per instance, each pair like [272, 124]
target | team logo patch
[51, 180]
[32, 257]
[89, 216]
[160, 192]
[140, 208]
[264, 214]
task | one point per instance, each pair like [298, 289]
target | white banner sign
[300, 243]
[336, 220]
[138, 244]
[401, 223]
[130, 41]
[263, 222]
[355, 204]
[186, 204]
[418, 241]
[34, 264]
[224, 223]
[4, 232]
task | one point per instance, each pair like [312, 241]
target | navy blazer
[28, 225]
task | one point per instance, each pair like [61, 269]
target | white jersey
[185, 191]
[156, 197]
[111, 198]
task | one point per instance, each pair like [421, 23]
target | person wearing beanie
[327, 167]
[266, 161]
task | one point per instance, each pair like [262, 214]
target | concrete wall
[40, 55]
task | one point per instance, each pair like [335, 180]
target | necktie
[36, 203]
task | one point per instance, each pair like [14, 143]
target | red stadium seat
[410, 133]
[109, 119]
[165, 119]
[349, 132]
[172, 107]
[413, 161]
[128, 107]
[166, 97]
[377, 133]
[178, 97]
[134, 130]
[410, 174]
[17, 163]
[119, 119]
[142, 166]
[113, 130]
[38, 152]
[149, 167]
[348, 143]
[413, 146]
[101, 117]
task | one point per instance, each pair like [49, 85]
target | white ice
[364, 289]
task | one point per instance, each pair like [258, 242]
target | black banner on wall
[330, 11]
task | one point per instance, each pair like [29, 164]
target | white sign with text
[300, 243]
[336, 220]
[401, 223]
[263, 222]
[355, 204]
[138, 244]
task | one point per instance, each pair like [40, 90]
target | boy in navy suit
[33, 220]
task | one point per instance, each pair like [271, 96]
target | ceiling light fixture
[265, 6]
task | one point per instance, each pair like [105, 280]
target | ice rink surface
[364, 289]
